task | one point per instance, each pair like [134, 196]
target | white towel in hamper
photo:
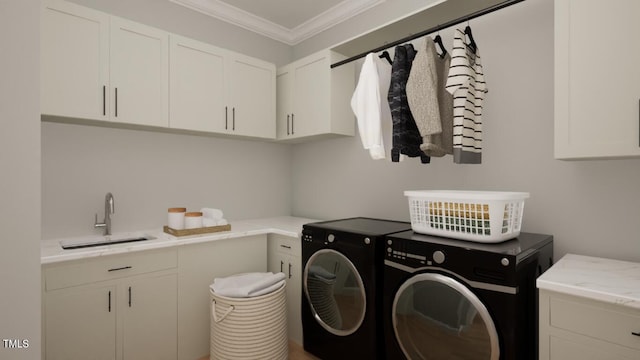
[248, 284]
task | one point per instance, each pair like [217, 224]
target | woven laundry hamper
[249, 328]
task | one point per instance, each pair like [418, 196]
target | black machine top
[520, 246]
[363, 226]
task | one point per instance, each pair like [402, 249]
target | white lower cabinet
[284, 255]
[117, 307]
[145, 305]
[199, 265]
[80, 323]
[572, 327]
[150, 318]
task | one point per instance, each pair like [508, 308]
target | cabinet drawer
[107, 268]
[285, 244]
[608, 323]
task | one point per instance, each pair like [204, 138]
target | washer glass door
[335, 292]
[437, 317]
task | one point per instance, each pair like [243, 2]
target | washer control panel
[307, 237]
[397, 250]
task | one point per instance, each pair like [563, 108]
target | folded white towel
[206, 222]
[215, 214]
[222, 222]
[248, 284]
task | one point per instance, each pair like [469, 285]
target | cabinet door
[253, 92]
[294, 292]
[597, 91]
[80, 323]
[284, 102]
[139, 74]
[283, 256]
[564, 349]
[74, 61]
[311, 97]
[200, 264]
[197, 86]
[149, 306]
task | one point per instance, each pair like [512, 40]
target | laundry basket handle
[213, 311]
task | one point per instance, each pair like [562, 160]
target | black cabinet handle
[104, 100]
[233, 110]
[289, 270]
[292, 120]
[116, 102]
[129, 296]
[120, 268]
[636, 333]
[109, 301]
[226, 117]
[288, 116]
[285, 246]
[281, 265]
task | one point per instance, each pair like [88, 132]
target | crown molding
[231, 14]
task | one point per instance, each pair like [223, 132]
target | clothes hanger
[438, 40]
[385, 55]
[472, 43]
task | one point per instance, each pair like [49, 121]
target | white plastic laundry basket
[249, 328]
[480, 216]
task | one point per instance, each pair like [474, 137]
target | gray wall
[591, 207]
[20, 179]
[147, 172]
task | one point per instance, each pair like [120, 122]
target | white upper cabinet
[597, 91]
[313, 99]
[198, 86]
[253, 97]
[99, 67]
[216, 90]
[74, 61]
[139, 74]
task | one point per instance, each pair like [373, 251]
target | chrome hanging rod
[439, 27]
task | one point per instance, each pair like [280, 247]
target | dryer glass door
[335, 292]
[437, 317]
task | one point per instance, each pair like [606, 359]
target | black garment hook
[385, 55]
[472, 43]
[438, 41]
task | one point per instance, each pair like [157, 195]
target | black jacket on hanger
[405, 135]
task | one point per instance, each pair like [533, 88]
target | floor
[296, 352]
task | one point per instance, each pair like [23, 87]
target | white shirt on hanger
[370, 105]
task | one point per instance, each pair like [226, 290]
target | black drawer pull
[285, 246]
[120, 268]
[636, 333]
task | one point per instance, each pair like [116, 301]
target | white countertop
[611, 281]
[52, 252]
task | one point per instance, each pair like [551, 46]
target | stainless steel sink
[94, 241]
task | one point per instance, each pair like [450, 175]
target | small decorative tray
[196, 231]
